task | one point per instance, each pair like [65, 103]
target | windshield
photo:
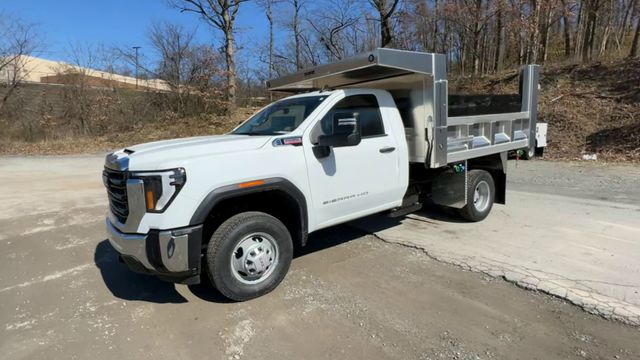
[281, 117]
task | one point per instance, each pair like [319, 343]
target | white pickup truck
[365, 135]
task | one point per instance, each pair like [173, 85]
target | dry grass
[146, 132]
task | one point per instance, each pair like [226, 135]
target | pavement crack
[578, 294]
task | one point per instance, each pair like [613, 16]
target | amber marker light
[151, 201]
[250, 184]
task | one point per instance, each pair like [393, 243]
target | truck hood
[149, 156]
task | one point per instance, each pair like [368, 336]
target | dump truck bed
[482, 125]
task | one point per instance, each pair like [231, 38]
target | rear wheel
[480, 196]
[249, 255]
[529, 153]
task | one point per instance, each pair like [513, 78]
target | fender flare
[234, 190]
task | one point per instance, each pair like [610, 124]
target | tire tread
[224, 231]
[468, 212]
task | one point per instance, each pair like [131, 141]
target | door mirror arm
[321, 151]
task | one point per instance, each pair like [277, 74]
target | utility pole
[136, 49]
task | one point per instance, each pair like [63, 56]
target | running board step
[405, 210]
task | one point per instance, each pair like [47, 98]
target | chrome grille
[116, 184]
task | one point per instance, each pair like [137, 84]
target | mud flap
[449, 188]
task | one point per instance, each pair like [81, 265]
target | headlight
[161, 187]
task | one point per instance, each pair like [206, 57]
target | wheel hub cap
[254, 258]
[481, 196]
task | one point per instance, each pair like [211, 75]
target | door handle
[388, 149]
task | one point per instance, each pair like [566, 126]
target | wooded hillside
[479, 36]
[588, 50]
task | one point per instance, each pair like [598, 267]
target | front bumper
[172, 255]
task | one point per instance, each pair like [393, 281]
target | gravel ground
[571, 230]
[63, 294]
[579, 179]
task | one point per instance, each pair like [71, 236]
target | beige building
[36, 70]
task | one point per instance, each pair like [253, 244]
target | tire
[249, 255]
[478, 204]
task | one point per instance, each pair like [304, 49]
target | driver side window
[365, 107]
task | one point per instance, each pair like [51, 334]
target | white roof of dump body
[378, 64]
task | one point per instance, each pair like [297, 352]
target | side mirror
[345, 131]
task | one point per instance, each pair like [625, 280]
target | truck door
[353, 181]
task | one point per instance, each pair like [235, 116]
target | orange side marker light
[250, 184]
[151, 204]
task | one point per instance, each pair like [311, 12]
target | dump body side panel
[418, 83]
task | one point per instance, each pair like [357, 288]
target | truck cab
[360, 137]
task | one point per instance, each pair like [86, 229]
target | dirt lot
[571, 230]
[63, 293]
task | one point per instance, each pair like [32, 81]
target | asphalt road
[63, 294]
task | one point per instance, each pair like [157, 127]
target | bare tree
[478, 28]
[628, 15]
[419, 13]
[78, 101]
[301, 48]
[385, 9]
[636, 38]
[17, 42]
[185, 65]
[190, 69]
[332, 26]
[297, 6]
[267, 6]
[173, 46]
[497, 61]
[566, 28]
[221, 15]
[294, 24]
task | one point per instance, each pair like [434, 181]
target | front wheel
[480, 195]
[249, 255]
